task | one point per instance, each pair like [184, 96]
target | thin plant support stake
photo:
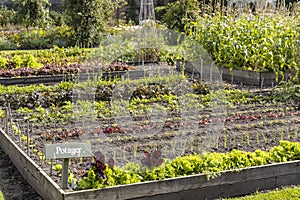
[19, 133]
[221, 78]
[51, 160]
[201, 68]
[6, 120]
[10, 120]
[262, 84]
[211, 66]
[27, 135]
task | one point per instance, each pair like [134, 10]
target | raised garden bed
[212, 72]
[70, 77]
[206, 119]
[135, 73]
[230, 183]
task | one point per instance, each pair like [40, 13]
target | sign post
[65, 173]
[66, 151]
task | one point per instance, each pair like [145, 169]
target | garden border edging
[133, 74]
[230, 183]
[234, 75]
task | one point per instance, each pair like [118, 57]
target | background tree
[7, 16]
[32, 12]
[90, 19]
[132, 12]
[176, 14]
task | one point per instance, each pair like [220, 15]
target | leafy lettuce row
[209, 163]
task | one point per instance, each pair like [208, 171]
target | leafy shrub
[35, 39]
[31, 13]
[178, 13]
[7, 16]
[57, 18]
[61, 36]
[90, 19]
[5, 44]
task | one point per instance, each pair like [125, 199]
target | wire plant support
[147, 33]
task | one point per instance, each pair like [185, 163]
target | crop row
[210, 163]
[123, 130]
[140, 94]
[170, 145]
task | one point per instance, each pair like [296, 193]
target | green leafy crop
[211, 164]
[259, 43]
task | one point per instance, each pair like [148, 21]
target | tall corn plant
[259, 43]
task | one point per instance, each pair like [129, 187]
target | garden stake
[261, 85]
[225, 140]
[221, 77]
[19, 133]
[198, 145]
[211, 66]
[217, 142]
[124, 154]
[51, 160]
[201, 69]
[27, 135]
[193, 73]
[135, 147]
[10, 120]
[6, 120]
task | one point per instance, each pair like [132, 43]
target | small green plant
[2, 114]
[31, 62]
[1, 196]
[3, 63]
[17, 61]
[57, 167]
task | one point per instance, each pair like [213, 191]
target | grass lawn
[292, 193]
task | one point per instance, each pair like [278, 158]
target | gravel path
[12, 184]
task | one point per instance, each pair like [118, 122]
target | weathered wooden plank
[213, 72]
[230, 183]
[134, 74]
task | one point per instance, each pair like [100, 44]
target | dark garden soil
[12, 184]
[243, 127]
